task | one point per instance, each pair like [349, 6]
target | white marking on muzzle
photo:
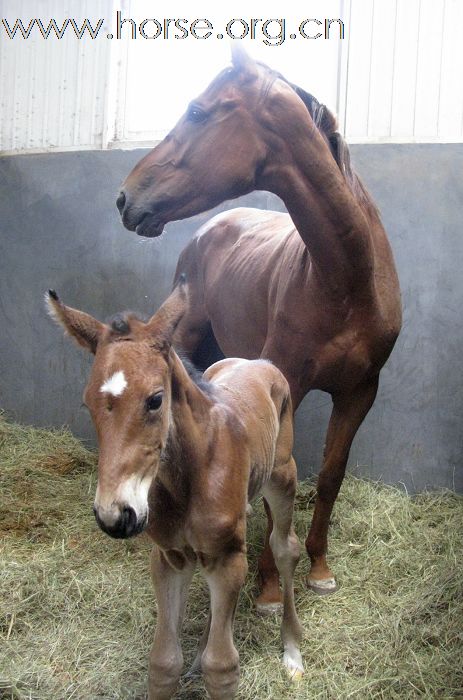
[115, 385]
[132, 492]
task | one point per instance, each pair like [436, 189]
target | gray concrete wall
[59, 228]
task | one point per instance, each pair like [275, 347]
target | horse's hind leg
[280, 492]
[346, 418]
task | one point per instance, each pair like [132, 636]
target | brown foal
[181, 458]
[315, 292]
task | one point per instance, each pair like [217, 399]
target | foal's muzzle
[127, 525]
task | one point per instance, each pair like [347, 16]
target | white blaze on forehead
[115, 385]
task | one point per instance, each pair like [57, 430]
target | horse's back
[234, 267]
[241, 238]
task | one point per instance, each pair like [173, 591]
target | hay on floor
[77, 611]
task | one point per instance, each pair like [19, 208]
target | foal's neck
[190, 415]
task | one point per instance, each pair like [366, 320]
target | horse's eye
[153, 402]
[196, 115]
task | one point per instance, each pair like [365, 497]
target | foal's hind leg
[196, 665]
[270, 600]
[280, 492]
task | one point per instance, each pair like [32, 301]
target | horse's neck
[332, 222]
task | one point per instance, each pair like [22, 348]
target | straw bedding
[77, 611]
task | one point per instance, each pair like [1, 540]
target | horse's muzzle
[145, 221]
[127, 525]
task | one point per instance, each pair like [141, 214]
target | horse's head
[215, 152]
[129, 396]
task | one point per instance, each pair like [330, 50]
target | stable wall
[59, 228]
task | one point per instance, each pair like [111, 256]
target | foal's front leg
[220, 663]
[166, 659]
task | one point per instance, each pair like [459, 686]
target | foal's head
[218, 150]
[128, 395]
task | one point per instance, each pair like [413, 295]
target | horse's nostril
[120, 201]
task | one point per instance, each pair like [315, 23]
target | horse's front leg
[347, 416]
[220, 663]
[166, 659]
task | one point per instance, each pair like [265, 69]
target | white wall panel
[404, 71]
[53, 90]
[405, 66]
[381, 67]
[428, 74]
[450, 122]
[360, 32]
[397, 75]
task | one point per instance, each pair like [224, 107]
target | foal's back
[258, 395]
[241, 439]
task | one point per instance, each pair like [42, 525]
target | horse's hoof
[292, 662]
[322, 586]
[275, 608]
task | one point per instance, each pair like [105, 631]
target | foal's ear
[166, 319]
[241, 60]
[85, 329]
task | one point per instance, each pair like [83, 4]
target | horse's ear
[241, 60]
[85, 329]
[163, 323]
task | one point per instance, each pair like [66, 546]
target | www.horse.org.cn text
[271, 32]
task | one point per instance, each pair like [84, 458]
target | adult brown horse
[316, 292]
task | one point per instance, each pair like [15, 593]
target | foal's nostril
[126, 524]
[120, 201]
[128, 520]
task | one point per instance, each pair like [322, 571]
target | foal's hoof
[322, 586]
[269, 608]
[295, 675]
[292, 662]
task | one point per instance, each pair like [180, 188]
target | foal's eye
[196, 115]
[153, 402]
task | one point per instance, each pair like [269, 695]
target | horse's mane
[326, 123]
